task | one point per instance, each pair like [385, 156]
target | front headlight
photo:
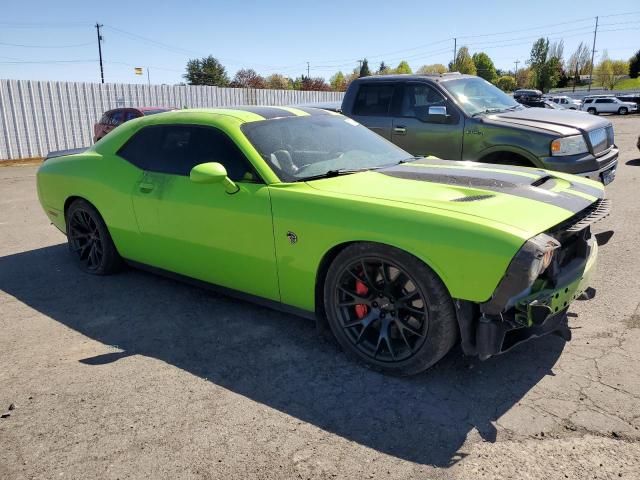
[543, 252]
[572, 145]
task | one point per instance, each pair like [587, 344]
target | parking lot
[138, 376]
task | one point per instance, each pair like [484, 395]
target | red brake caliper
[362, 290]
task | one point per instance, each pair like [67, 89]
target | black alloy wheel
[89, 240]
[388, 309]
[381, 309]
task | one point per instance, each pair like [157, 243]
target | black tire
[89, 240]
[403, 324]
[623, 111]
[592, 111]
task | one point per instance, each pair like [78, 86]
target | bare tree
[579, 62]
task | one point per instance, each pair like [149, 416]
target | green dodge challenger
[310, 212]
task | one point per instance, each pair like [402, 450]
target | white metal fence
[37, 117]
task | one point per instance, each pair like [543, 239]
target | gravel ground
[137, 376]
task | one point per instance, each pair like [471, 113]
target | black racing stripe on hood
[588, 189]
[477, 175]
[267, 112]
[478, 165]
[578, 187]
[563, 200]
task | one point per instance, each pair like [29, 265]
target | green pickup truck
[463, 117]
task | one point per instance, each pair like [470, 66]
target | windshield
[476, 95]
[298, 148]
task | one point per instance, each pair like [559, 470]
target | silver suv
[597, 105]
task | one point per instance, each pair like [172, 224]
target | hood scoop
[547, 182]
[472, 198]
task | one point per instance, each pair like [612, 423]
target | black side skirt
[230, 292]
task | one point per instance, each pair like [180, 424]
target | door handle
[146, 187]
[400, 130]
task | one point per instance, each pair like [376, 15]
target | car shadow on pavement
[280, 360]
[633, 163]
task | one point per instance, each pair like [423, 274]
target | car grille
[590, 215]
[601, 139]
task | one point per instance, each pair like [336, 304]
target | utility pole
[455, 52]
[308, 76]
[100, 50]
[359, 67]
[148, 77]
[593, 54]
[515, 73]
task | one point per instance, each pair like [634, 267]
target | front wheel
[388, 309]
[592, 111]
[623, 110]
[89, 240]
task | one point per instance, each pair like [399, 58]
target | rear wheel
[623, 110]
[388, 309]
[592, 111]
[89, 240]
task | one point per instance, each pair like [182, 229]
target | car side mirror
[213, 172]
[437, 114]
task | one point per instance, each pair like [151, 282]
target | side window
[418, 98]
[130, 115]
[373, 100]
[117, 118]
[604, 100]
[142, 147]
[588, 100]
[176, 149]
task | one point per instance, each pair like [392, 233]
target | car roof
[436, 77]
[252, 113]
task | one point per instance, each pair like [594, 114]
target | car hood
[529, 200]
[562, 122]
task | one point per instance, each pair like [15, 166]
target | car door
[426, 123]
[200, 230]
[606, 105]
[372, 107]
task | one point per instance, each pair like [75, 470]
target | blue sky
[281, 36]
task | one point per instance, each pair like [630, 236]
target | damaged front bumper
[514, 315]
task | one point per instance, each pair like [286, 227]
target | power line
[46, 46]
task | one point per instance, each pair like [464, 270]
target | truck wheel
[623, 110]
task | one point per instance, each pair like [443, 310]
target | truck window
[373, 100]
[417, 99]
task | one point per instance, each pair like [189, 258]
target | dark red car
[118, 116]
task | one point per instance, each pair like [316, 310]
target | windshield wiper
[488, 110]
[332, 173]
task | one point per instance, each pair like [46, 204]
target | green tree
[506, 83]
[464, 62]
[484, 66]
[634, 65]
[277, 82]
[338, 82]
[247, 78]
[431, 69]
[545, 69]
[403, 67]
[206, 71]
[383, 69]
[364, 69]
